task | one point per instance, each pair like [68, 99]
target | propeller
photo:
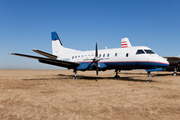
[96, 59]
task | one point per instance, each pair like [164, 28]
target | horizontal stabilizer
[67, 64]
[45, 54]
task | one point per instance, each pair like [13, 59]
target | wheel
[174, 74]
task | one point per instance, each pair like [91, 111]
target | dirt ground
[53, 94]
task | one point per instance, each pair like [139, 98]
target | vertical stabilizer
[57, 48]
[125, 43]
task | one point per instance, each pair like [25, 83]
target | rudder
[57, 48]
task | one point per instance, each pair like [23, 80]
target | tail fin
[125, 43]
[57, 48]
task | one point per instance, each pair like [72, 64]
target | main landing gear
[117, 76]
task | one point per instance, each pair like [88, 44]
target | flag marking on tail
[125, 43]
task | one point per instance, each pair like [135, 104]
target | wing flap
[67, 64]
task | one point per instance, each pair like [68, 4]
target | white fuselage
[118, 58]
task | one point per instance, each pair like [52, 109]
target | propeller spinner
[95, 60]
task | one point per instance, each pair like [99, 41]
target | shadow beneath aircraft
[160, 75]
[102, 78]
[43, 79]
[61, 75]
[135, 73]
[152, 74]
[64, 76]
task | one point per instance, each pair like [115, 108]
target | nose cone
[163, 62]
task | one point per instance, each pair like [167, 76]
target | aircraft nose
[164, 62]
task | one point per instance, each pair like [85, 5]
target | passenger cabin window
[100, 55]
[149, 51]
[103, 55]
[115, 54]
[72, 57]
[127, 54]
[140, 52]
[108, 55]
[75, 56]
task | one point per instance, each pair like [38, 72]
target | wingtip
[11, 53]
[34, 49]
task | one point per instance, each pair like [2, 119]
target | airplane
[127, 58]
[174, 61]
[174, 64]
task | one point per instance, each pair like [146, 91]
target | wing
[45, 54]
[67, 64]
[172, 57]
[173, 61]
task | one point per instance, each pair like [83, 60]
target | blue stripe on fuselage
[125, 65]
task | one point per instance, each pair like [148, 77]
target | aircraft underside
[119, 65]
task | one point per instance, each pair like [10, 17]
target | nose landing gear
[149, 77]
[75, 72]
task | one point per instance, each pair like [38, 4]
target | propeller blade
[89, 65]
[96, 53]
[96, 68]
[96, 57]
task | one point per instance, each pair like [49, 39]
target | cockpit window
[140, 52]
[149, 51]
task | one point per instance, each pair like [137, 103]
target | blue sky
[27, 24]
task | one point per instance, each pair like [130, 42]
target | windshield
[140, 52]
[149, 51]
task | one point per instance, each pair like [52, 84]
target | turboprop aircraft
[174, 61]
[129, 58]
[174, 64]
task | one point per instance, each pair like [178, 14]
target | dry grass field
[53, 94]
